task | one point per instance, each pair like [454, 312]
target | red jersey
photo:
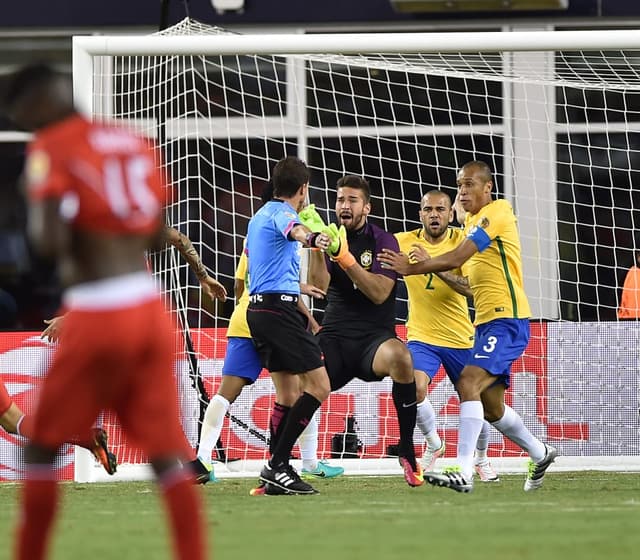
[107, 177]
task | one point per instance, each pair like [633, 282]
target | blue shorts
[241, 359]
[428, 357]
[498, 344]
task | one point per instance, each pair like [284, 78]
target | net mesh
[558, 128]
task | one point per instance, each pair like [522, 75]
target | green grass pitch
[587, 516]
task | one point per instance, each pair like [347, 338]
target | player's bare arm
[314, 326]
[210, 286]
[312, 291]
[318, 275]
[49, 234]
[308, 238]
[453, 259]
[456, 282]
[376, 287]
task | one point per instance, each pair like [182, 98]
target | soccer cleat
[535, 475]
[286, 478]
[322, 470]
[429, 457]
[101, 452]
[413, 477]
[485, 471]
[264, 489]
[202, 472]
[450, 477]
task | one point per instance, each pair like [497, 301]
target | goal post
[554, 113]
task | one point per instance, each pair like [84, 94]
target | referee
[279, 328]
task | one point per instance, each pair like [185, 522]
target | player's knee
[422, 385]
[319, 388]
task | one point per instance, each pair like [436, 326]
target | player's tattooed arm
[456, 282]
[180, 241]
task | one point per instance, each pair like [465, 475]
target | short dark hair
[27, 80]
[267, 192]
[356, 182]
[436, 192]
[482, 167]
[289, 174]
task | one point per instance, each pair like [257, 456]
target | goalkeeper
[358, 335]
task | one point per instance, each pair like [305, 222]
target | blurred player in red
[14, 421]
[95, 206]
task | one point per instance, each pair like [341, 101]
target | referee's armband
[479, 236]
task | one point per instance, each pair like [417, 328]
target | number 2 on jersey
[429, 285]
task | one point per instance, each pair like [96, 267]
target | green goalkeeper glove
[332, 231]
[309, 217]
[338, 250]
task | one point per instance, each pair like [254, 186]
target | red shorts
[115, 359]
[5, 399]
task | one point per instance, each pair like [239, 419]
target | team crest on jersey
[484, 223]
[37, 168]
[366, 259]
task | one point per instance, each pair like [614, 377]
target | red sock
[88, 441]
[25, 426]
[184, 507]
[39, 506]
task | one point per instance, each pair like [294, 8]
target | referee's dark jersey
[349, 312]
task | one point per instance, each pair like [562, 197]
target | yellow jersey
[438, 314]
[495, 271]
[238, 325]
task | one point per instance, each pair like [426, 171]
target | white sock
[212, 426]
[426, 421]
[308, 444]
[483, 442]
[512, 426]
[471, 420]
[18, 424]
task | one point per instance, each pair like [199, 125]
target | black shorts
[280, 333]
[348, 358]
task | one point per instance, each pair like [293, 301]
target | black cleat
[285, 478]
[202, 473]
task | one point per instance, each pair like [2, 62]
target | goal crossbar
[354, 43]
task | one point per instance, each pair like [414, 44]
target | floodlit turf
[589, 516]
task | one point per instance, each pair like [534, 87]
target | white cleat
[535, 476]
[485, 471]
[450, 478]
[430, 456]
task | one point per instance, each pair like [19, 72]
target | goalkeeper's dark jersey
[349, 312]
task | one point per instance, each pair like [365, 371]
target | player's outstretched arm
[401, 263]
[210, 286]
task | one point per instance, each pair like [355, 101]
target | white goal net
[555, 114]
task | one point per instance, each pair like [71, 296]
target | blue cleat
[322, 470]
[202, 472]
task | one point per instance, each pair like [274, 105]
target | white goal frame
[86, 48]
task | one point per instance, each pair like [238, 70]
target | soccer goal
[555, 114]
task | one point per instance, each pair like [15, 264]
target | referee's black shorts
[280, 333]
